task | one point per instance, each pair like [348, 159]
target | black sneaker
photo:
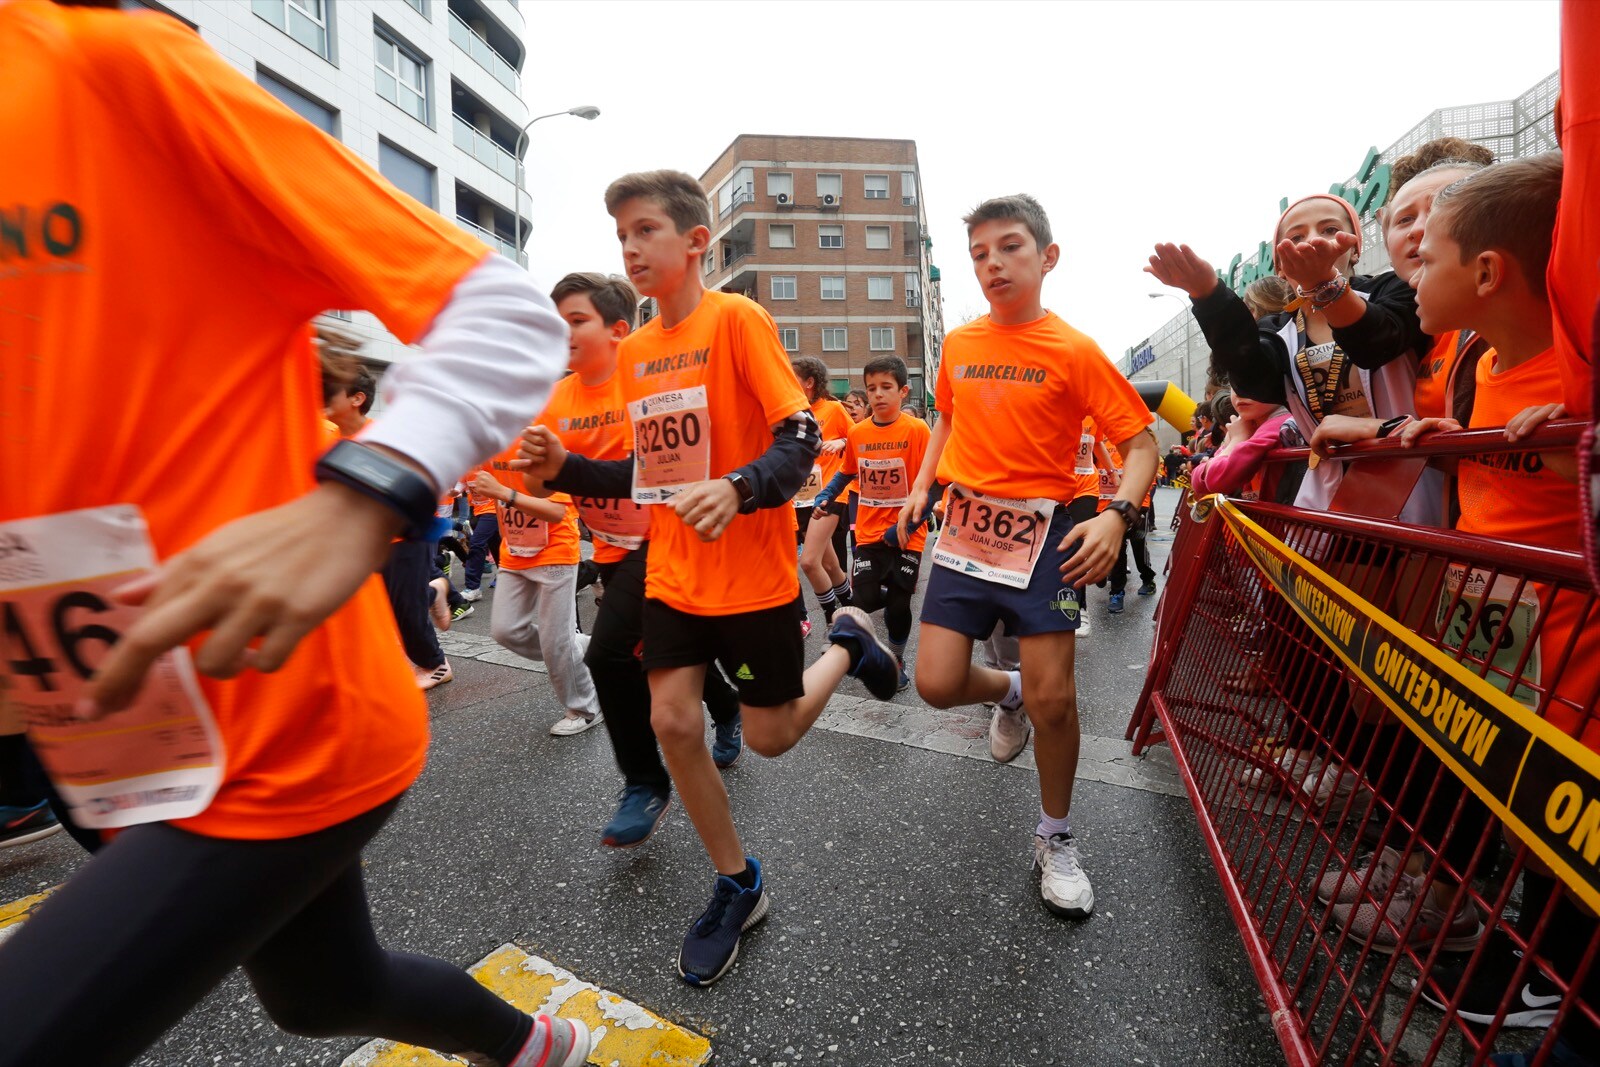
[712, 943]
[877, 668]
[728, 743]
[1148, 588]
[19, 825]
[1531, 1007]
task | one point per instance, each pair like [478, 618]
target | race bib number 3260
[671, 443]
[159, 759]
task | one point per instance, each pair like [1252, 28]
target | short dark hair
[859, 394]
[887, 365]
[679, 195]
[343, 370]
[1509, 206]
[1019, 206]
[813, 368]
[611, 294]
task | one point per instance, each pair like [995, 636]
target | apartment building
[830, 235]
[427, 91]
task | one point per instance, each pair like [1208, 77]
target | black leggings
[160, 916]
[406, 576]
[892, 596]
[620, 682]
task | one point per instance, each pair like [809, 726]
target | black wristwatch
[747, 492]
[1391, 425]
[1125, 509]
[385, 480]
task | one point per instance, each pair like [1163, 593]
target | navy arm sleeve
[582, 476]
[783, 468]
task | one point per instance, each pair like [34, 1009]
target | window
[877, 187]
[402, 76]
[881, 338]
[408, 173]
[304, 20]
[908, 187]
[740, 189]
[790, 336]
[830, 185]
[709, 263]
[783, 287]
[780, 183]
[913, 291]
[830, 236]
[832, 287]
[877, 237]
[421, 6]
[318, 114]
[780, 235]
[834, 339]
[880, 288]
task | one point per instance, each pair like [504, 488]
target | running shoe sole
[756, 916]
[730, 764]
[610, 843]
[31, 836]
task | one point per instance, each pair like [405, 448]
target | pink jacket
[1232, 471]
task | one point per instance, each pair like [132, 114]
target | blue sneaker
[712, 943]
[1115, 607]
[728, 744]
[905, 680]
[1148, 588]
[19, 825]
[638, 814]
[877, 668]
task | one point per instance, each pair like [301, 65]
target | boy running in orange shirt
[884, 451]
[1012, 392]
[723, 438]
[588, 412]
[821, 537]
[535, 611]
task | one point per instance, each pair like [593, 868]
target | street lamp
[1187, 334]
[587, 111]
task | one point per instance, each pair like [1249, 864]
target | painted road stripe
[12, 914]
[625, 1035]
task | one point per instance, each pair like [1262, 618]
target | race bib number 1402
[161, 758]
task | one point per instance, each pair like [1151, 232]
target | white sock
[1013, 698]
[1049, 827]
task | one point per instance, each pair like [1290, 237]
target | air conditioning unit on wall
[783, 199]
[830, 200]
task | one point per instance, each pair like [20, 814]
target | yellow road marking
[12, 914]
[625, 1035]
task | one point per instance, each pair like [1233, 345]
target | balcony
[480, 146]
[913, 300]
[483, 53]
[494, 241]
[740, 197]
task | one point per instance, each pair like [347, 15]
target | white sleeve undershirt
[486, 369]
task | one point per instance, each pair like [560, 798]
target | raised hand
[1179, 267]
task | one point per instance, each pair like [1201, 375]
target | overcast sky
[1131, 122]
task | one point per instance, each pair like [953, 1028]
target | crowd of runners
[167, 565]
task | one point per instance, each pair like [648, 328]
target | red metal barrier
[1380, 866]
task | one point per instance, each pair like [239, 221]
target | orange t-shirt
[896, 451]
[1107, 480]
[835, 422]
[729, 347]
[1573, 276]
[592, 421]
[178, 325]
[1085, 465]
[1017, 393]
[561, 538]
[1513, 496]
[1431, 398]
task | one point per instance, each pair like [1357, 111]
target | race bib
[993, 538]
[883, 482]
[159, 759]
[671, 444]
[1501, 631]
[1083, 466]
[615, 520]
[809, 490]
[1345, 396]
[1110, 482]
[525, 536]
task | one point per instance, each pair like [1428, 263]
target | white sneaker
[1063, 885]
[1008, 733]
[1295, 762]
[472, 594]
[573, 723]
[1083, 624]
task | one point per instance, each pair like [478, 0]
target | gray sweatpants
[535, 615]
[1001, 652]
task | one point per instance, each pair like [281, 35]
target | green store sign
[1367, 191]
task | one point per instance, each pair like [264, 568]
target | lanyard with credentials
[1318, 399]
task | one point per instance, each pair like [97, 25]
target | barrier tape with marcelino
[1541, 783]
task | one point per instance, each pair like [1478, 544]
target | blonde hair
[1267, 295]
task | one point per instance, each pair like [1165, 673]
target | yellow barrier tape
[1541, 783]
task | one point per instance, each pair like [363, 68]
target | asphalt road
[905, 927]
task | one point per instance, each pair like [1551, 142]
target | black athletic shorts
[882, 565]
[763, 652]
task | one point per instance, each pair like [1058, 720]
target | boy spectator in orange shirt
[883, 451]
[1484, 257]
[253, 561]
[723, 437]
[535, 611]
[589, 413]
[1013, 389]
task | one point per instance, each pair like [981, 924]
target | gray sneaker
[1008, 733]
